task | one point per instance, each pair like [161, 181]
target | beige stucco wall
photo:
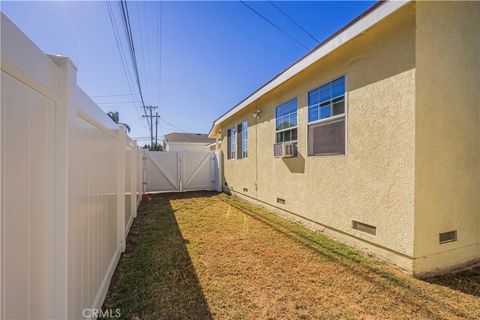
[448, 134]
[374, 182]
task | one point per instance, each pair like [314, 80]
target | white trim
[332, 118]
[343, 37]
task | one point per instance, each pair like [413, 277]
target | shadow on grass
[155, 278]
[358, 264]
[467, 281]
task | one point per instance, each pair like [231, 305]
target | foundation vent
[364, 227]
[448, 236]
[280, 200]
[245, 190]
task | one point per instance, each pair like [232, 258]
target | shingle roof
[188, 137]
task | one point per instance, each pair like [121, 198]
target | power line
[120, 102]
[141, 57]
[160, 52]
[114, 95]
[291, 19]
[122, 54]
[128, 28]
[274, 25]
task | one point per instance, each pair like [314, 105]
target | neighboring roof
[360, 24]
[188, 137]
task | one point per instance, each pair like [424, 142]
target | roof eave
[357, 26]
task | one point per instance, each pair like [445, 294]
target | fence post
[140, 175]
[121, 189]
[144, 171]
[133, 177]
[180, 169]
[213, 176]
[219, 171]
[67, 75]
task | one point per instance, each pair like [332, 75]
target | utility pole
[156, 128]
[150, 108]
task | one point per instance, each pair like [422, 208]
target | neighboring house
[181, 141]
[384, 121]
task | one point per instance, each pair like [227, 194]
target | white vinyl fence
[71, 181]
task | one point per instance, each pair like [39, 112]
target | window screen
[326, 138]
[231, 143]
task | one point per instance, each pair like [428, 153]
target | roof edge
[360, 24]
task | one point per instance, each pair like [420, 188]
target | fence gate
[182, 171]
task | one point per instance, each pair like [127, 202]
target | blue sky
[213, 54]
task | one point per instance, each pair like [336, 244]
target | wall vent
[280, 200]
[448, 236]
[245, 190]
[364, 227]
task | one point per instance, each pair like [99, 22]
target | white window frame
[282, 130]
[332, 118]
[229, 145]
[244, 142]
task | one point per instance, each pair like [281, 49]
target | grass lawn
[204, 255]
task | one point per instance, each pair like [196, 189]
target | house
[373, 137]
[182, 141]
[214, 146]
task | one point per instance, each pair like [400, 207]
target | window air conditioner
[285, 149]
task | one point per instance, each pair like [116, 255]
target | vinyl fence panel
[71, 183]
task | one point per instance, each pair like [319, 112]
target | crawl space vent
[245, 190]
[449, 236]
[280, 200]
[364, 227]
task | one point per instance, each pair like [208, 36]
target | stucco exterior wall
[448, 134]
[374, 182]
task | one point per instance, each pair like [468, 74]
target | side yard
[204, 255]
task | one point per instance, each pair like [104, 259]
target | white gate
[182, 171]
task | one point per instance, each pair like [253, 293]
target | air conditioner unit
[285, 149]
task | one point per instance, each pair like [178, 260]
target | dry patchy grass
[204, 255]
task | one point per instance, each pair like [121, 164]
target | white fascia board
[360, 26]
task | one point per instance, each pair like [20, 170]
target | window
[242, 137]
[231, 143]
[326, 118]
[327, 101]
[286, 121]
